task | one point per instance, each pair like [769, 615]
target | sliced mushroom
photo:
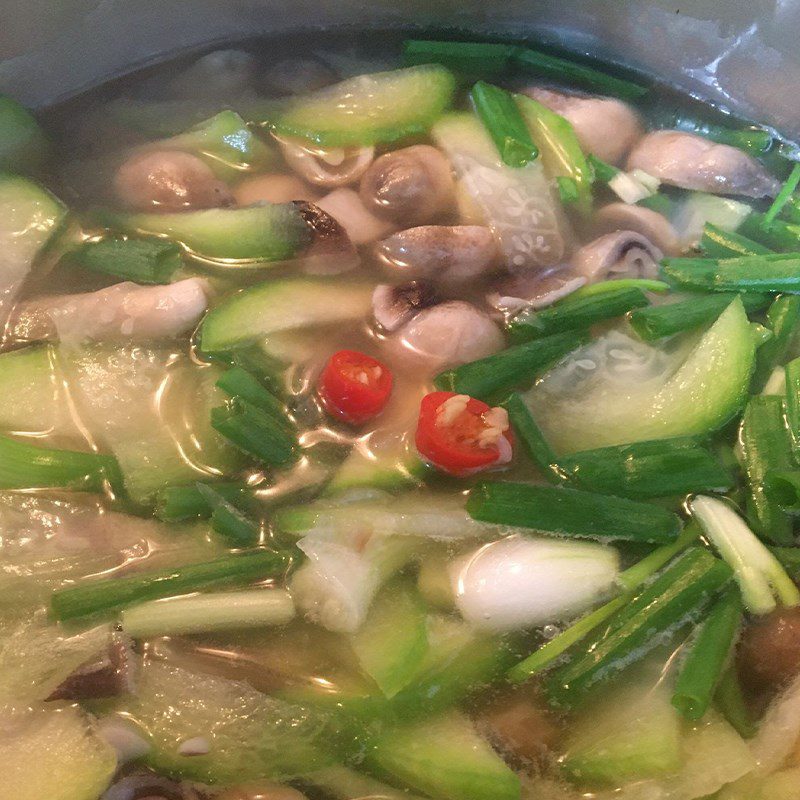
[411, 186]
[273, 187]
[169, 180]
[345, 206]
[655, 227]
[296, 75]
[393, 306]
[110, 675]
[328, 167]
[449, 253]
[692, 162]
[122, 311]
[446, 335]
[623, 254]
[536, 290]
[331, 250]
[605, 127]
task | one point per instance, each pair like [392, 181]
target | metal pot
[741, 56]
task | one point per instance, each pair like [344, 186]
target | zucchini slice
[55, 754]
[445, 758]
[29, 216]
[263, 232]
[618, 390]
[283, 305]
[369, 109]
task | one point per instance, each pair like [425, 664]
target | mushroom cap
[618, 254]
[605, 126]
[654, 227]
[169, 180]
[692, 162]
[446, 335]
[410, 186]
[453, 253]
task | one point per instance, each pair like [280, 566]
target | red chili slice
[457, 437]
[354, 387]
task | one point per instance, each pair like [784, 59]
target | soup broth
[404, 419]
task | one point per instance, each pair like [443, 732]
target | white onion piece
[346, 207]
[336, 585]
[633, 186]
[521, 582]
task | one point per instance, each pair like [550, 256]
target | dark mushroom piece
[169, 180]
[111, 674]
[448, 253]
[520, 725]
[331, 250]
[411, 186]
[769, 651]
[622, 254]
[655, 227]
[692, 162]
[605, 126]
[392, 306]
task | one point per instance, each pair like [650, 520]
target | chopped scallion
[95, 596]
[764, 449]
[503, 120]
[153, 261]
[517, 365]
[574, 313]
[178, 503]
[762, 580]
[531, 436]
[29, 466]
[792, 405]
[719, 243]
[674, 597]
[782, 320]
[658, 468]
[786, 192]
[203, 613]
[656, 322]
[708, 656]
[571, 512]
[228, 521]
[237, 381]
[774, 272]
[629, 580]
[255, 431]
